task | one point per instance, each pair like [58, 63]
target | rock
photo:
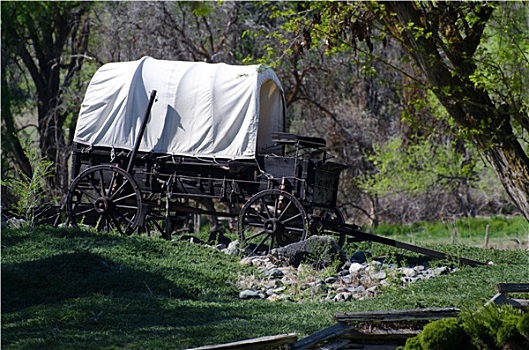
[16, 223]
[441, 270]
[233, 248]
[373, 267]
[274, 297]
[355, 268]
[249, 294]
[372, 289]
[246, 261]
[353, 281]
[360, 257]
[274, 273]
[346, 279]
[320, 251]
[279, 290]
[359, 289]
[331, 279]
[408, 272]
[379, 275]
[343, 296]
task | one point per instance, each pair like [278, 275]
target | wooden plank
[334, 345]
[520, 303]
[321, 336]
[512, 287]
[397, 315]
[254, 344]
[381, 335]
[501, 299]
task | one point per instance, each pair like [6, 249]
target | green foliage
[413, 343]
[508, 334]
[492, 326]
[399, 168]
[443, 334]
[503, 56]
[523, 325]
[29, 192]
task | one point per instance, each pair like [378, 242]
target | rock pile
[285, 275]
[354, 280]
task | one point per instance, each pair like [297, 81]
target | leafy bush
[523, 326]
[491, 327]
[413, 343]
[447, 333]
[508, 335]
[29, 192]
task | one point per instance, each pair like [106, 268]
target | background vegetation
[349, 76]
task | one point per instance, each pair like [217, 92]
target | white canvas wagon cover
[201, 109]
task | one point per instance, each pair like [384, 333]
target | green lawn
[70, 289]
[504, 232]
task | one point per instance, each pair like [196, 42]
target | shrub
[413, 343]
[523, 326]
[442, 334]
[508, 335]
[29, 192]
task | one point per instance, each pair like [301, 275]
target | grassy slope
[65, 289]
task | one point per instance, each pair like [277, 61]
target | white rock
[247, 261]
[408, 272]
[233, 248]
[249, 294]
[355, 268]
[379, 275]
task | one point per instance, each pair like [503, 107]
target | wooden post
[487, 231]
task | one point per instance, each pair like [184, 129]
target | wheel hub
[102, 204]
[273, 226]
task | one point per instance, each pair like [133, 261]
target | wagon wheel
[105, 197]
[153, 223]
[322, 223]
[271, 219]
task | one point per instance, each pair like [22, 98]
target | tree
[46, 43]
[445, 40]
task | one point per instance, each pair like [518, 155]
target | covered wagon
[155, 137]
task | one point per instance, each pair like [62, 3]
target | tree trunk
[10, 141]
[487, 125]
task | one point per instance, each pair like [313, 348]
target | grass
[65, 288]
[503, 232]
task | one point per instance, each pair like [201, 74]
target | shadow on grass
[64, 289]
[74, 275]
[83, 299]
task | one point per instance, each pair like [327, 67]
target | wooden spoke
[271, 219]
[94, 200]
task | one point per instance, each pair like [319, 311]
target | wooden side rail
[396, 315]
[273, 341]
[502, 297]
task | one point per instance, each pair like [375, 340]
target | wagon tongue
[354, 230]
